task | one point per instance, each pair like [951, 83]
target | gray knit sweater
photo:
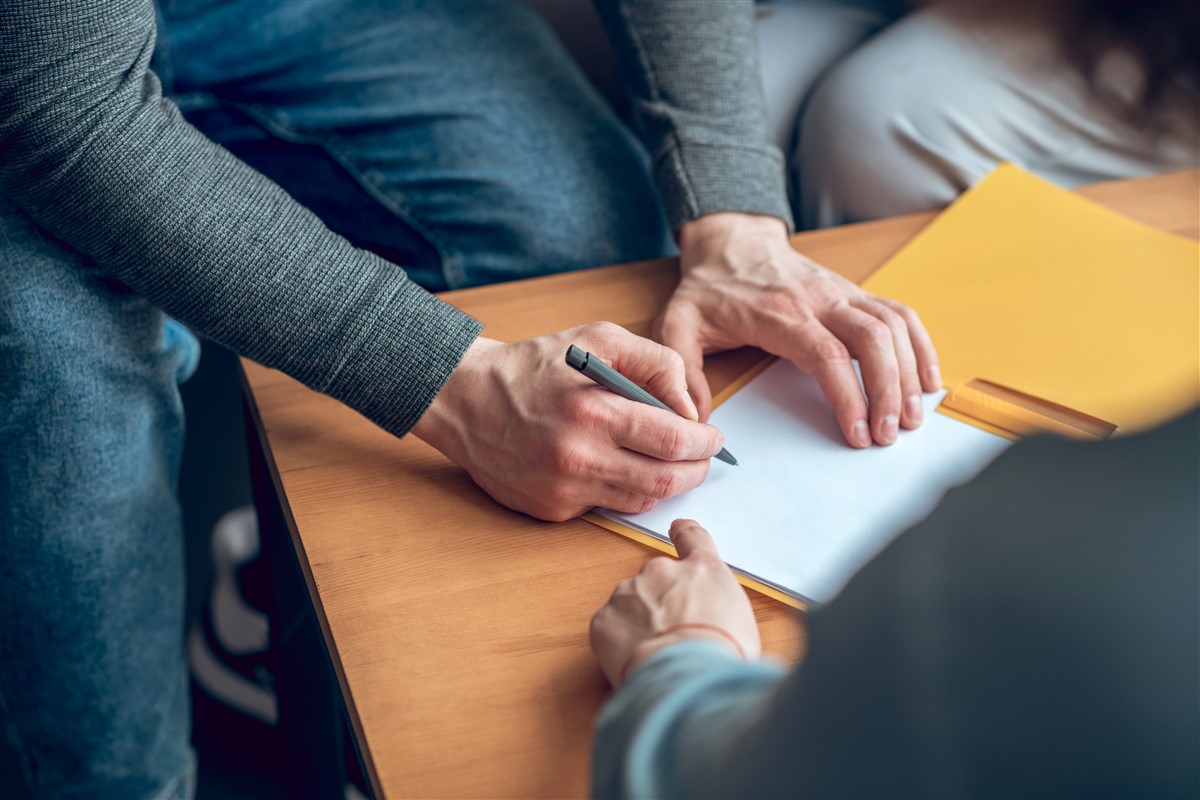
[93, 152]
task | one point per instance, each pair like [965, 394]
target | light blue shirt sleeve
[954, 664]
[669, 727]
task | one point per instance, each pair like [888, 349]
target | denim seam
[278, 123]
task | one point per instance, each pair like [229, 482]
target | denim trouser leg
[455, 138]
[91, 561]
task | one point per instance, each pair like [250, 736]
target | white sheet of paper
[803, 511]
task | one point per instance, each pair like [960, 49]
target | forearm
[91, 150]
[691, 70]
[675, 722]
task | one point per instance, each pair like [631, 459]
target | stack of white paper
[804, 511]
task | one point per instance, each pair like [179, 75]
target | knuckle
[644, 504]
[780, 304]
[909, 313]
[892, 319]
[606, 330]
[674, 360]
[570, 460]
[582, 405]
[675, 310]
[555, 494]
[667, 483]
[875, 332]
[672, 443]
[575, 406]
[831, 351]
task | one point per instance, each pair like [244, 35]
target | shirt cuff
[408, 344]
[644, 736]
[695, 179]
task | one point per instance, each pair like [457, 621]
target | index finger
[649, 364]
[661, 434]
[690, 537]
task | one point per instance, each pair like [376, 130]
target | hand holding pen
[621, 386]
[540, 440]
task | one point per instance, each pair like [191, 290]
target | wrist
[686, 632]
[441, 418]
[731, 226]
[731, 239]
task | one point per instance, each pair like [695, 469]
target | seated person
[1037, 635]
[888, 107]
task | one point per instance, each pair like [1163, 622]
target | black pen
[618, 384]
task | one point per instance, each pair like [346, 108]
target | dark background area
[239, 757]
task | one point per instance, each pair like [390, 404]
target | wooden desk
[458, 629]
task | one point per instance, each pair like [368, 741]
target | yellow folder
[1034, 288]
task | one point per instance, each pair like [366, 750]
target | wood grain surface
[458, 628]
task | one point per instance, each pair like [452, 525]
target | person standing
[291, 179]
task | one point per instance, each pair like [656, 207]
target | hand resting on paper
[694, 597]
[742, 283]
[543, 439]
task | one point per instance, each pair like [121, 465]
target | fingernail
[720, 445]
[860, 434]
[690, 407]
[914, 410]
[890, 428]
[933, 377]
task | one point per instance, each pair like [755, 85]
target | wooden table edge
[262, 441]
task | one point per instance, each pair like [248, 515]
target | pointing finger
[690, 538]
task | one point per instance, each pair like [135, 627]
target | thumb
[678, 327]
[690, 537]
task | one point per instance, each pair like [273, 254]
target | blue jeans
[456, 139]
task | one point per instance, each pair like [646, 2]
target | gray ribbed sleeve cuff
[403, 359]
[697, 179]
[691, 71]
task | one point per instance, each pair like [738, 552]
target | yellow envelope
[1032, 287]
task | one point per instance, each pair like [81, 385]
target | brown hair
[1163, 36]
